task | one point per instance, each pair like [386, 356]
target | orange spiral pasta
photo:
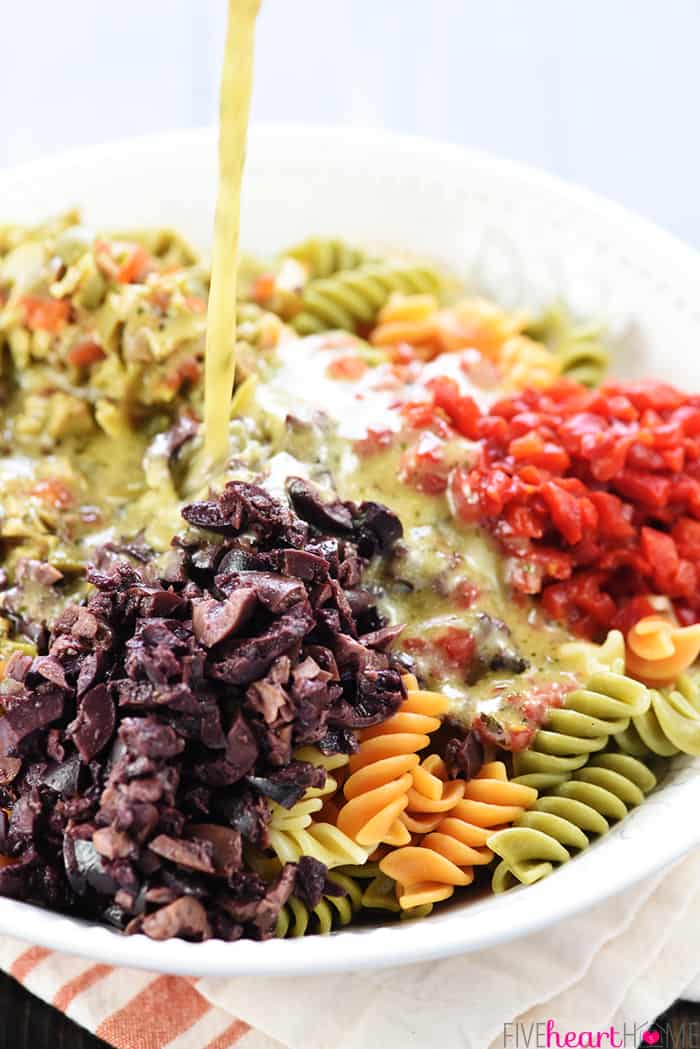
[380, 778]
[432, 795]
[409, 318]
[446, 857]
[469, 324]
[659, 651]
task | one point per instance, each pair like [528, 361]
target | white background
[602, 91]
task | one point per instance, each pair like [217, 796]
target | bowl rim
[205, 136]
[470, 928]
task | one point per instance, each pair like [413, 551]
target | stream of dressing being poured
[220, 356]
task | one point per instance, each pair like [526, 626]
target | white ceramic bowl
[514, 232]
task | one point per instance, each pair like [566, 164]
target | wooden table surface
[27, 1023]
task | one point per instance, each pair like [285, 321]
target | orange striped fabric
[82, 982]
[127, 1008]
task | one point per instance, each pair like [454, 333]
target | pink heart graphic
[651, 1037]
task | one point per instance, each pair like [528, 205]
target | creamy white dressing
[303, 385]
[16, 467]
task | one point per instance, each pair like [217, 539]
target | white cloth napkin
[621, 963]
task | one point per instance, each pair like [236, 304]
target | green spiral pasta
[583, 356]
[295, 918]
[670, 725]
[567, 819]
[351, 299]
[380, 892]
[587, 720]
[584, 359]
[324, 256]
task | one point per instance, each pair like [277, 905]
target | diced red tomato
[540, 699]
[649, 489]
[462, 411]
[264, 288]
[536, 451]
[188, 370]
[465, 593]
[463, 499]
[44, 314]
[374, 441]
[54, 493]
[418, 414]
[84, 353]
[135, 266]
[614, 516]
[423, 465]
[594, 495]
[508, 737]
[457, 646]
[347, 368]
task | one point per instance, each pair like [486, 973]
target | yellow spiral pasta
[298, 832]
[526, 363]
[299, 835]
[381, 772]
[445, 858]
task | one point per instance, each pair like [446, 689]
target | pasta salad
[429, 631]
